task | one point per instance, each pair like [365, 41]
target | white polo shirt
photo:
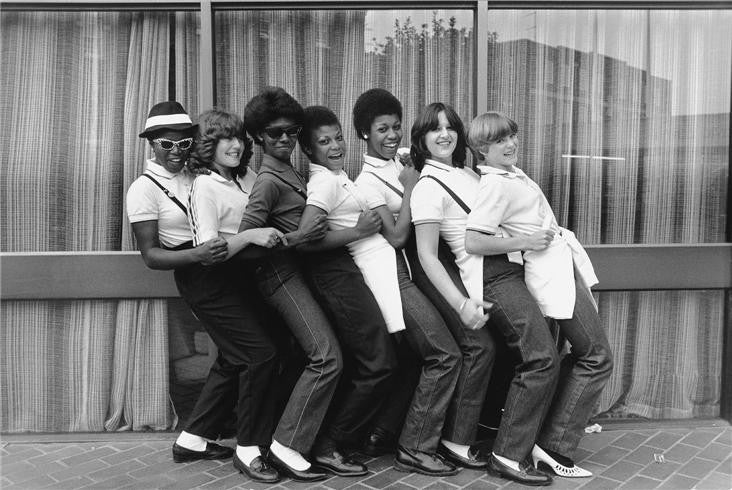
[432, 204]
[342, 200]
[388, 170]
[216, 205]
[147, 202]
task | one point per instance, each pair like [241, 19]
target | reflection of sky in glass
[674, 45]
[380, 23]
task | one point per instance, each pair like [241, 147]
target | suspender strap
[297, 189]
[168, 193]
[457, 199]
[397, 191]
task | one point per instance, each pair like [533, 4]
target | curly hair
[270, 104]
[213, 126]
[488, 128]
[428, 121]
[371, 104]
[315, 117]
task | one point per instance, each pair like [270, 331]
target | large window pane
[331, 57]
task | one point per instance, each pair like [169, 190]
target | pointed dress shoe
[471, 461]
[527, 474]
[285, 469]
[411, 460]
[258, 470]
[338, 464]
[544, 462]
[212, 451]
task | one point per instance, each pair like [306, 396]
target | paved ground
[665, 457]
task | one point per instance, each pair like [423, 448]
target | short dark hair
[371, 104]
[215, 125]
[269, 104]
[315, 116]
[428, 121]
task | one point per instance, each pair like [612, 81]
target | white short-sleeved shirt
[216, 205]
[432, 204]
[147, 202]
[388, 170]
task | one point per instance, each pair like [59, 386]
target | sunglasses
[168, 145]
[277, 132]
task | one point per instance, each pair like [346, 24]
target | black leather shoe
[338, 464]
[471, 461]
[378, 442]
[527, 474]
[414, 461]
[308, 475]
[259, 470]
[212, 451]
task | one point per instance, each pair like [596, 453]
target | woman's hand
[471, 313]
[369, 222]
[408, 176]
[266, 237]
[313, 229]
[539, 240]
[212, 251]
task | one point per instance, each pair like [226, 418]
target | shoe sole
[254, 478]
[331, 471]
[188, 459]
[548, 470]
[287, 473]
[411, 469]
[499, 474]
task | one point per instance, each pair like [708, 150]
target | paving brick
[399, 486]
[700, 438]
[132, 453]
[697, 468]
[73, 483]
[340, 482]
[643, 455]
[660, 471]
[464, 477]
[725, 466]
[595, 442]
[631, 440]
[231, 481]
[112, 471]
[58, 453]
[680, 482]
[664, 440]
[724, 438]
[385, 478]
[381, 463]
[715, 452]
[37, 481]
[622, 470]
[19, 471]
[419, 481]
[681, 453]
[640, 483]
[483, 485]
[190, 481]
[600, 483]
[438, 485]
[23, 454]
[715, 481]
[80, 469]
[608, 455]
[566, 483]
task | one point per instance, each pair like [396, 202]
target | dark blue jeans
[517, 317]
[584, 373]
[283, 287]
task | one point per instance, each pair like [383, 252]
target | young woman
[156, 210]
[511, 218]
[332, 194]
[227, 308]
[273, 118]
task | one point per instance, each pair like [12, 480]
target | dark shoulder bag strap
[457, 199]
[167, 193]
[398, 192]
[290, 184]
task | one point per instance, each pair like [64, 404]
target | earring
[365, 136]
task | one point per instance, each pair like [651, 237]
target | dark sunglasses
[277, 132]
[168, 145]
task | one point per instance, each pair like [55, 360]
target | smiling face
[327, 147]
[384, 136]
[502, 154]
[282, 146]
[442, 140]
[228, 154]
[172, 160]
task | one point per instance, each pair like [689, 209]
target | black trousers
[369, 356]
[242, 377]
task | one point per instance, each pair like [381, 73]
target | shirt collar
[160, 171]
[315, 168]
[376, 162]
[486, 169]
[439, 165]
[275, 164]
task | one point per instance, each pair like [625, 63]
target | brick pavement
[627, 458]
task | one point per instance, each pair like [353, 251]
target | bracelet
[462, 305]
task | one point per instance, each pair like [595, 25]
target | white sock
[247, 453]
[191, 441]
[459, 449]
[291, 457]
[508, 462]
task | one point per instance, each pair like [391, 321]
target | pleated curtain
[76, 88]
[617, 85]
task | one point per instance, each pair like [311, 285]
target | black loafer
[287, 470]
[413, 461]
[527, 474]
[259, 470]
[340, 465]
[212, 451]
[471, 461]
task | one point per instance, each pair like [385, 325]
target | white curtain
[626, 129]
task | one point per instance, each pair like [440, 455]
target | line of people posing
[324, 296]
